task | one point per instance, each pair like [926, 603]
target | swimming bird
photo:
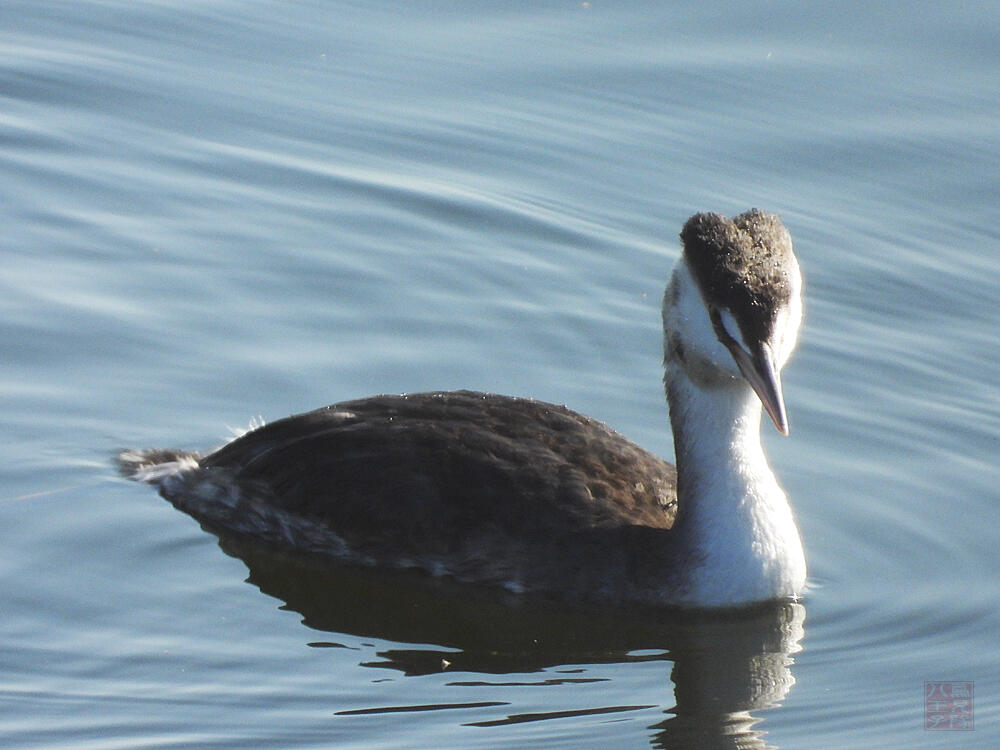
[532, 497]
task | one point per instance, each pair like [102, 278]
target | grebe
[533, 497]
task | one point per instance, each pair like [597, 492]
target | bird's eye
[719, 326]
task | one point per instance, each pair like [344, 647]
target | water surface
[217, 211]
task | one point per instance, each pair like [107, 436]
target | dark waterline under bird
[535, 498]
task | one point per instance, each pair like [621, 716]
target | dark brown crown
[743, 264]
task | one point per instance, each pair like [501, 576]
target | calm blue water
[213, 211]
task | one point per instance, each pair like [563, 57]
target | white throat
[734, 525]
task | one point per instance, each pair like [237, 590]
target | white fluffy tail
[153, 466]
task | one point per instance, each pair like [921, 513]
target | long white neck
[734, 522]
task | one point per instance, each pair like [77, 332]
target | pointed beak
[762, 375]
[759, 371]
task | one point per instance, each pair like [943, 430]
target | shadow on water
[725, 665]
